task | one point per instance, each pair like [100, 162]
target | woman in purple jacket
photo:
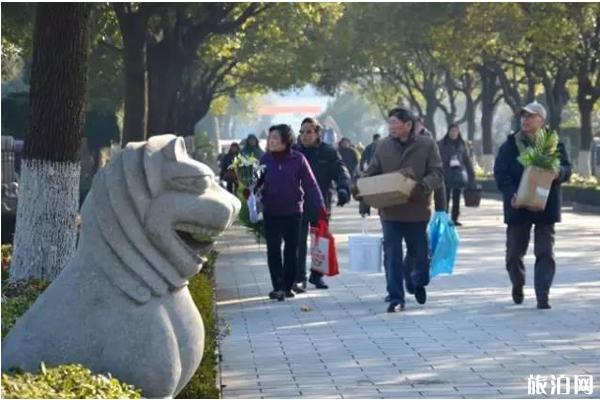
[286, 180]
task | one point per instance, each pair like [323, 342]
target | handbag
[323, 256]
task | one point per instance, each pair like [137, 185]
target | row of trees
[433, 57]
[164, 64]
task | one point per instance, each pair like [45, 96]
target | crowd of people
[301, 176]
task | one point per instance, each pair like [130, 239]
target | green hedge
[65, 382]
[17, 300]
[203, 384]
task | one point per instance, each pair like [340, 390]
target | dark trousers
[517, 241]
[455, 195]
[302, 250]
[409, 264]
[277, 228]
[396, 270]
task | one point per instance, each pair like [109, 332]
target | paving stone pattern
[468, 341]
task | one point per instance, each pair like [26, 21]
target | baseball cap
[535, 108]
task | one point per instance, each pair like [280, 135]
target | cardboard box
[385, 190]
[534, 188]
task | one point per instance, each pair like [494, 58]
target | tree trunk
[133, 31]
[46, 232]
[585, 100]
[165, 76]
[190, 110]
[470, 114]
[489, 89]
[557, 96]
[431, 106]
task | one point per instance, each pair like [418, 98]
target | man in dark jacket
[508, 172]
[366, 155]
[348, 154]
[327, 166]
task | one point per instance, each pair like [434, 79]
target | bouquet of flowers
[249, 172]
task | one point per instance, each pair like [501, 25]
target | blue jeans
[415, 236]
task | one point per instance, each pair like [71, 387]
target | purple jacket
[286, 180]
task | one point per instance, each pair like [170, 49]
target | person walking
[405, 149]
[439, 199]
[507, 173]
[226, 174]
[366, 155]
[328, 167]
[349, 155]
[252, 147]
[458, 168]
[287, 180]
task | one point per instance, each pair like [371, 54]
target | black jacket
[349, 157]
[328, 167]
[448, 149]
[367, 154]
[508, 172]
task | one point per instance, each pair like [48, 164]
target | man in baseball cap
[508, 172]
[534, 108]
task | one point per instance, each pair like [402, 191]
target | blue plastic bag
[443, 244]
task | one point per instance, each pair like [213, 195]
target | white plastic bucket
[365, 253]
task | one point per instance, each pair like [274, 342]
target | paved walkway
[468, 341]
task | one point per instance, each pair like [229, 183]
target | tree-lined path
[469, 340]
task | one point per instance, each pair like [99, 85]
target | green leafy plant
[203, 384]
[16, 299]
[544, 152]
[6, 259]
[71, 381]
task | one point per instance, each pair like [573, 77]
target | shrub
[203, 384]
[16, 299]
[65, 382]
[6, 258]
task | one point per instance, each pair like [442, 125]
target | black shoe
[318, 282]
[456, 223]
[410, 289]
[278, 295]
[387, 298]
[420, 294]
[289, 294]
[543, 305]
[517, 294]
[298, 289]
[393, 307]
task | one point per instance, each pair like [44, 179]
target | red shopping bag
[323, 257]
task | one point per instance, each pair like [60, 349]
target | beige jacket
[419, 154]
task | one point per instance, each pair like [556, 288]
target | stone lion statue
[122, 305]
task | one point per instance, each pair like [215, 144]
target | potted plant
[541, 162]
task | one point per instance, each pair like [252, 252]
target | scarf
[522, 141]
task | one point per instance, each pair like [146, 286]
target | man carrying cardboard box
[508, 172]
[405, 150]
